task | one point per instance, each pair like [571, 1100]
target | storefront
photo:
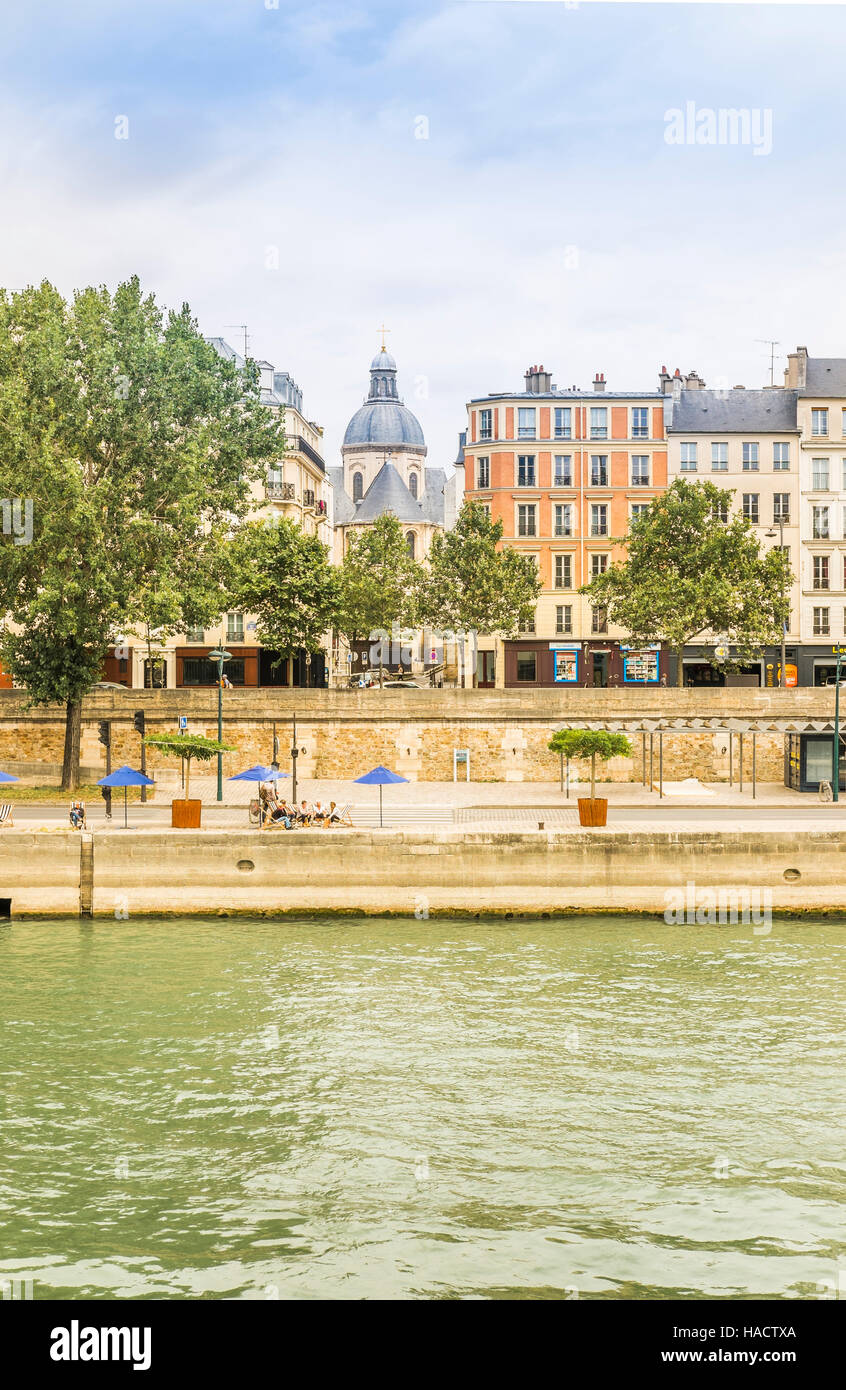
[195, 667]
[594, 664]
[703, 670]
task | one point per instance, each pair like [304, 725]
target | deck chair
[341, 815]
[6, 817]
[77, 815]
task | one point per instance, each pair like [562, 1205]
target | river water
[362, 1109]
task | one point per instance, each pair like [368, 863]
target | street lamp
[835, 781]
[782, 680]
[219, 655]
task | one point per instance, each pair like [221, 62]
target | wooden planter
[593, 810]
[185, 815]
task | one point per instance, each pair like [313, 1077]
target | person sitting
[321, 814]
[77, 815]
[305, 813]
[285, 814]
[338, 817]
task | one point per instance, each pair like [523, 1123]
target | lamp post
[782, 680]
[835, 781]
[219, 655]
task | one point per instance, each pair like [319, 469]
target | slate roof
[344, 505]
[388, 493]
[825, 376]
[733, 412]
[384, 422]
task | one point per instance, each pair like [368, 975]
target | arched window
[410, 542]
[412, 484]
[358, 487]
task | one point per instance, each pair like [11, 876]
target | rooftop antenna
[243, 328]
[772, 344]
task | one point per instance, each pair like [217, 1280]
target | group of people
[277, 811]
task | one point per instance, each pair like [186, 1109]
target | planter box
[593, 811]
[185, 815]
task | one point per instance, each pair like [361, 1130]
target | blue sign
[183, 723]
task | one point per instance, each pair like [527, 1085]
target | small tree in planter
[593, 744]
[184, 813]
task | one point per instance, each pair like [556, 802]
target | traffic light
[105, 733]
[139, 722]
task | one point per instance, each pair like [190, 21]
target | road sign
[183, 723]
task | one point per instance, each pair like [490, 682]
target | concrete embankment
[422, 872]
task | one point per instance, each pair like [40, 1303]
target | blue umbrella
[380, 777]
[126, 776]
[258, 774]
[7, 777]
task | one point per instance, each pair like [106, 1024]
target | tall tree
[693, 569]
[474, 583]
[380, 583]
[136, 444]
[284, 577]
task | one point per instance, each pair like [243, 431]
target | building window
[526, 470]
[195, 634]
[819, 523]
[599, 620]
[640, 470]
[563, 471]
[483, 467]
[750, 507]
[781, 457]
[781, 507]
[720, 510]
[358, 486]
[563, 619]
[819, 475]
[202, 671]
[155, 673]
[562, 422]
[820, 572]
[599, 422]
[819, 423]
[750, 458]
[563, 572]
[526, 525]
[719, 458]
[688, 458]
[485, 424]
[527, 666]
[599, 470]
[234, 627]
[526, 422]
[412, 485]
[598, 565]
[529, 625]
[563, 519]
[640, 422]
[821, 622]
[410, 542]
[598, 519]
[639, 508]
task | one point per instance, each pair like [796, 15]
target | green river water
[364, 1109]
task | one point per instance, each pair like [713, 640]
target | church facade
[384, 469]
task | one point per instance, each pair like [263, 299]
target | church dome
[383, 419]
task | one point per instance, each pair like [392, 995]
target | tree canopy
[693, 569]
[474, 583]
[590, 743]
[284, 577]
[380, 583]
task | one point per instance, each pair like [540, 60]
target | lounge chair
[341, 815]
[77, 815]
[6, 817]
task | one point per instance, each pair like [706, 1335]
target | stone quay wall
[345, 733]
[410, 874]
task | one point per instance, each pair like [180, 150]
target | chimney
[796, 372]
[664, 381]
[599, 382]
[538, 382]
[743, 388]
[693, 381]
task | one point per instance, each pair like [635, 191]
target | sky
[491, 179]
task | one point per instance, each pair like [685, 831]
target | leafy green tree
[476, 584]
[590, 743]
[136, 444]
[189, 747]
[380, 583]
[284, 577]
[692, 568]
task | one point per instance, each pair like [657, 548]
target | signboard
[721, 653]
[565, 665]
[791, 674]
[640, 665]
[183, 723]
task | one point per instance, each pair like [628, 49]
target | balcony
[308, 498]
[280, 492]
[298, 445]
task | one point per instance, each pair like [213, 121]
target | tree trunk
[187, 779]
[680, 668]
[592, 776]
[73, 733]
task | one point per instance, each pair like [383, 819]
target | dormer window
[412, 485]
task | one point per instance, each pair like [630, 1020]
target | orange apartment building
[565, 470]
